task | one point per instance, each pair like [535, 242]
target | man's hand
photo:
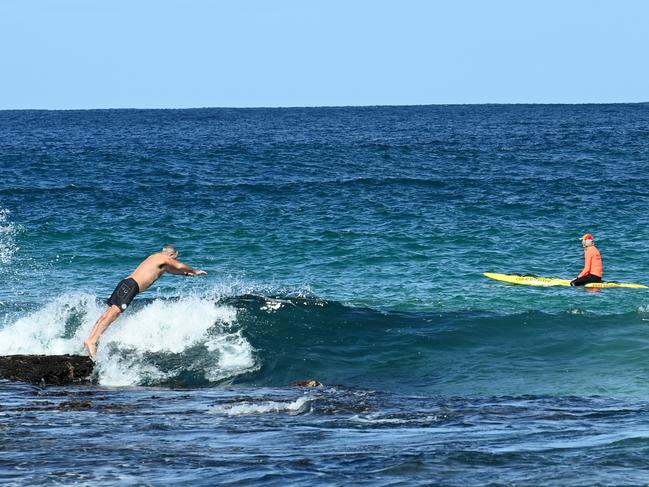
[197, 272]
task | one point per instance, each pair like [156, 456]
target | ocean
[345, 245]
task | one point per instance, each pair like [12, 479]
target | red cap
[588, 236]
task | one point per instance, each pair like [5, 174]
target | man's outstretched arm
[176, 267]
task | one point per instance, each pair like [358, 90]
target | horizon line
[280, 107]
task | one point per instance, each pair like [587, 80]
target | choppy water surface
[346, 245]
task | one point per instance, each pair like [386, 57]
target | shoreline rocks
[47, 369]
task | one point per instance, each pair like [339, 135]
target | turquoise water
[342, 244]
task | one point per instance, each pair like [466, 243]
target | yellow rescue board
[550, 281]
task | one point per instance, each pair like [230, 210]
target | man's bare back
[148, 272]
[154, 266]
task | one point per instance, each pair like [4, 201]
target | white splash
[235, 356]
[44, 331]
[272, 305]
[248, 408]
[167, 326]
[173, 327]
[116, 372]
[7, 237]
[199, 336]
[577, 311]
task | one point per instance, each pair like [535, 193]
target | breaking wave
[272, 341]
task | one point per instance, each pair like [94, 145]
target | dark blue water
[345, 245]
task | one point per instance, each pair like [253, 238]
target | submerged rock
[47, 369]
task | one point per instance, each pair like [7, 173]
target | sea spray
[8, 232]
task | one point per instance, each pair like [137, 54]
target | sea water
[345, 245]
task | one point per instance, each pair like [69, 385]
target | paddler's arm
[174, 266]
[588, 256]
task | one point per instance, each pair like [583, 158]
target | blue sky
[249, 53]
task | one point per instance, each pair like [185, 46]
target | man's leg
[587, 279]
[104, 321]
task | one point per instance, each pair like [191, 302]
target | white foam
[198, 334]
[265, 407]
[272, 305]
[118, 372]
[43, 331]
[376, 419]
[167, 326]
[235, 356]
[174, 327]
[577, 311]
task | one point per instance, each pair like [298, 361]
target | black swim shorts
[124, 293]
[587, 279]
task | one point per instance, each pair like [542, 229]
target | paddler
[593, 270]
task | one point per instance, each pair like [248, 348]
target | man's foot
[92, 348]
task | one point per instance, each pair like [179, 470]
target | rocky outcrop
[47, 369]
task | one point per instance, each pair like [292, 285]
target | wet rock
[307, 383]
[75, 405]
[47, 369]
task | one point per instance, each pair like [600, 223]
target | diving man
[149, 271]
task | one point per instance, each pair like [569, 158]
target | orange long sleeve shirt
[592, 262]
